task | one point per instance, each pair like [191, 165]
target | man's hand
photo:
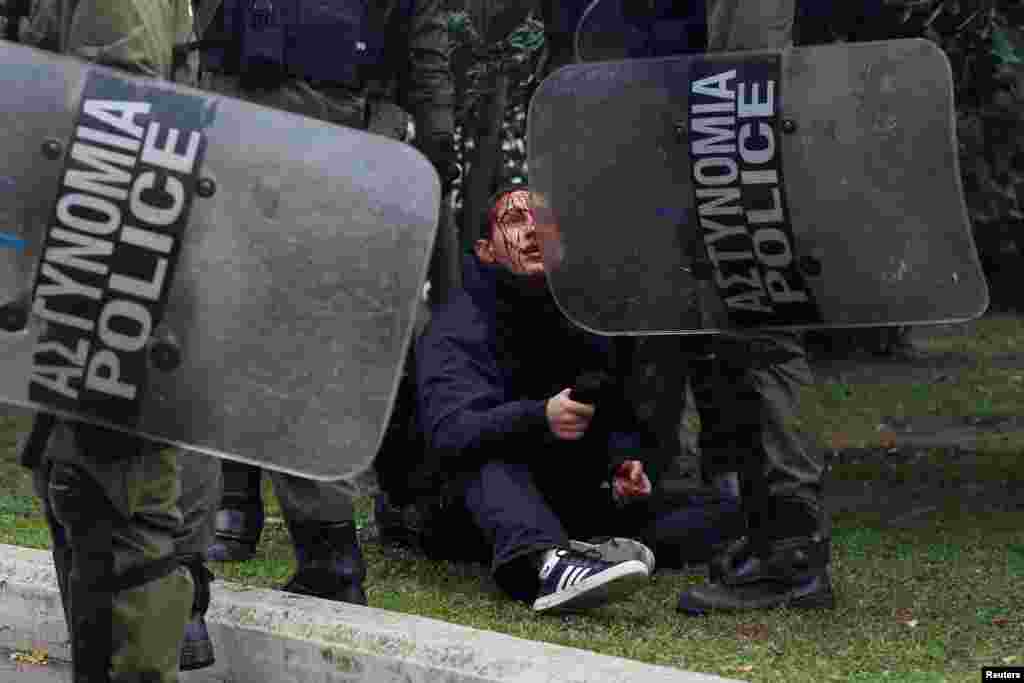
[630, 481]
[568, 419]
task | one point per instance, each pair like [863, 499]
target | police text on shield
[739, 195]
[109, 253]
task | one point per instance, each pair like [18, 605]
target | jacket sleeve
[464, 408]
[135, 35]
[629, 440]
[629, 437]
[427, 91]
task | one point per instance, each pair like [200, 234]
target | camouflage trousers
[123, 514]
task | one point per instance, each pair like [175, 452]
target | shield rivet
[680, 129]
[206, 187]
[810, 266]
[165, 355]
[13, 317]
[788, 126]
[52, 149]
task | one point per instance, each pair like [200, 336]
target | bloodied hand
[513, 239]
[630, 481]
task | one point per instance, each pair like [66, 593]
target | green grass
[915, 605]
[843, 414]
[960, 580]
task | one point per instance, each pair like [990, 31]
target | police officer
[747, 412]
[746, 400]
[129, 520]
[367, 65]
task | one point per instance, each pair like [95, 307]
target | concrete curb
[273, 637]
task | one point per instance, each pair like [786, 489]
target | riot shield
[807, 188]
[209, 273]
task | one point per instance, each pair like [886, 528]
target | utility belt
[265, 42]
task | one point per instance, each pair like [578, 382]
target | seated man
[497, 372]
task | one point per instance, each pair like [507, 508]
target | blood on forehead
[512, 208]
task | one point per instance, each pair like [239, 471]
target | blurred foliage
[475, 62]
[984, 42]
[985, 46]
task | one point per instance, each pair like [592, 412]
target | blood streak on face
[514, 234]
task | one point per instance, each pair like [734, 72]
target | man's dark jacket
[484, 370]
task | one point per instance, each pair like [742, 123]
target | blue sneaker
[573, 580]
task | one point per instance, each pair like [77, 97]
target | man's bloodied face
[513, 241]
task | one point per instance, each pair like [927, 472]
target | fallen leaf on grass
[752, 631]
[905, 616]
[36, 656]
[887, 440]
[838, 442]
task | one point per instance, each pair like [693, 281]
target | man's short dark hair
[487, 216]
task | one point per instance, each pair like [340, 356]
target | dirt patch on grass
[920, 365]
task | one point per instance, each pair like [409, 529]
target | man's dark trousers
[520, 509]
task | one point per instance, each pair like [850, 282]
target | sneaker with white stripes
[616, 549]
[573, 580]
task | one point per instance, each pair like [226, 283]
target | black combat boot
[330, 562]
[239, 521]
[397, 526]
[766, 569]
[197, 648]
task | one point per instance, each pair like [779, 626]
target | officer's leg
[58, 535]
[785, 558]
[239, 521]
[320, 516]
[200, 496]
[321, 520]
[126, 594]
